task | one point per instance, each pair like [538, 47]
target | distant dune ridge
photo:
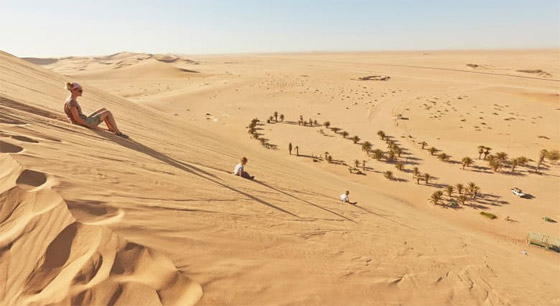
[88, 218]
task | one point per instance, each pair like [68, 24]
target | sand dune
[90, 218]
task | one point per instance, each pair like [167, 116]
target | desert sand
[88, 218]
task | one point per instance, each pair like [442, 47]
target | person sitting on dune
[346, 199]
[74, 112]
[240, 169]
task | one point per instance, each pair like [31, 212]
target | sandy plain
[90, 218]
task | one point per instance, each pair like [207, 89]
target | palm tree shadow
[382, 216]
[305, 201]
[136, 146]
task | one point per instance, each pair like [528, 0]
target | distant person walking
[345, 197]
[290, 148]
[74, 112]
[239, 169]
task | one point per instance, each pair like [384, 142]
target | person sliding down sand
[346, 199]
[240, 169]
[74, 112]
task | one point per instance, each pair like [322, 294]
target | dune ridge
[51, 258]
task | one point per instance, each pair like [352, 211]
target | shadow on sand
[305, 201]
[136, 146]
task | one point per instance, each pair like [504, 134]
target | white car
[517, 192]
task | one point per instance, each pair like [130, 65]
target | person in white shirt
[346, 199]
[240, 169]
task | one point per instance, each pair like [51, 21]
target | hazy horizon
[90, 28]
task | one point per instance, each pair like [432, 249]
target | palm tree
[502, 157]
[467, 161]
[276, 116]
[494, 163]
[398, 151]
[433, 150]
[418, 178]
[356, 163]
[344, 134]
[282, 117]
[355, 139]
[381, 134]
[415, 171]
[251, 130]
[427, 178]
[475, 192]
[391, 155]
[329, 159]
[388, 175]
[436, 196]
[443, 157]
[424, 144]
[449, 190]
[480, 151]
[327, 124]
[335, 130]
[377, 154]
[399, 165]
[462, 199]
[255, 121]
[366, 146]
[543, 154]
[518, 161]
[459, 188]
[472, 188]
[486, 151]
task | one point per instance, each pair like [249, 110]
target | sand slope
[284, 239]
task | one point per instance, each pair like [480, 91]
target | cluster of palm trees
[499, 160]
[274, 118]
[252, 129]
[311, 122]
[471, 191]
[433, 151]
[483, 150]
[356, 139]
[420, 176]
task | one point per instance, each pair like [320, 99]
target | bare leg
[107, 116]
[98, 111]
[109, 125]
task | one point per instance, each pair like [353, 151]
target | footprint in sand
[6, 147]
[93, 212]
[30, 179]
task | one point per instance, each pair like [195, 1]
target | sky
[82, 27]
